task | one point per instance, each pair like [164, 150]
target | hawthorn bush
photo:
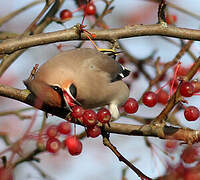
[157, 135]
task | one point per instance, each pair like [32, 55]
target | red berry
[150, 99]
[64, 128]
[93, 35]
[6, 173]
[103, 115]
[53, 145]
[171, 19]
[121, 61]
[192, 173]
[135, 75]
[131, 106]
[89, 118]
[65, 14]
[179, 170]
[182, 71]
[189, 155]
[162, 97]
[77, 111]
[186, 89]
[191, 113]
[170, 146]
[74, 145]
[52, 131]
[93, 131]
[90, 9]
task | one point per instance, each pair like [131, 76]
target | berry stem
[83, 19]
[162, 87]
[78, 9]
[86, 33]
[74, 129]
[43, 125]
[174, 78]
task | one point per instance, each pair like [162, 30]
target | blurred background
[96, 161]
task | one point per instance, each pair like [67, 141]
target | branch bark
[167, 132]
[15, 44]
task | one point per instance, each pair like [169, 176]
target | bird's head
[57, 95]
[68, 94]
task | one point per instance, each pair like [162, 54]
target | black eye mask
[60, 92]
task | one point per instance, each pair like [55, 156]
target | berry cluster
[88, 9]
[190, 154]
[90, 118]
[187, 89]
[72, 143]
[184, 169]
[150, 98]
[171, 146]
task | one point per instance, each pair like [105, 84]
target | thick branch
[12, 45]
[186, 135]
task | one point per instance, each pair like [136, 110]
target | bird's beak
[68, 100]
[69, 95]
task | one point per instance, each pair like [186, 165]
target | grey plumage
[96, 76]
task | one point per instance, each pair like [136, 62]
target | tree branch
[107, 143]
[15, 13]
[166, 132]
[8, 60]
[15, 44]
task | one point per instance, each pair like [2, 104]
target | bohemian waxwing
[83, 75]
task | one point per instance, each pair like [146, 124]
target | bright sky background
[96, 161]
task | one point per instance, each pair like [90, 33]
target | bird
[83, 76]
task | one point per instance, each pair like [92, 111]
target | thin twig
[107, 143]
[185, 11]
[7, 35]
[17, 113]
[8, 60]
[6, 18]
[176, 97]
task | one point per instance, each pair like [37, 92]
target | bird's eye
[73, 90]
[57, 89]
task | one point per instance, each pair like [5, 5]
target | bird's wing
[105, 64]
